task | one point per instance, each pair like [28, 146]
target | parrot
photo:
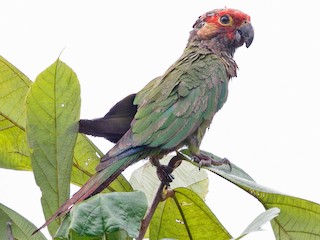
[175, 109]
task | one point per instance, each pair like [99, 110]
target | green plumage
[180, 101]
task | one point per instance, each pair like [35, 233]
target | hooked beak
[246, 33]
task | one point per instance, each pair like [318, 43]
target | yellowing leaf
[14, 86]
[185, 216]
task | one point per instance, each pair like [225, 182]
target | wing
[176, 104]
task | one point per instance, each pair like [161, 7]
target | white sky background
[269, 125]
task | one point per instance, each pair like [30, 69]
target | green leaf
[21, 228]
[53, 109]
[263, 218]
[64, 232]
[145, 178]
[111, 214]
[298, 218]
[75, 236]
[118, 235]
[186, 216]
[14, 86]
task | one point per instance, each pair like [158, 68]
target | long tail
[99, 181]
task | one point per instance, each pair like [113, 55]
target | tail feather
[96, 184]
[114, 124]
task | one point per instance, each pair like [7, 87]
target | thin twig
[146, 221]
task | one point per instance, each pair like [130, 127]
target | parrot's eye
[225, 20]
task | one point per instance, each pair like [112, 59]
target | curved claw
[164, 174]
[226, 161]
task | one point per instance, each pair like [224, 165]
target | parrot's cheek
[238, 38]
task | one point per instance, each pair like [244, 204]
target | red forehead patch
[212, 17]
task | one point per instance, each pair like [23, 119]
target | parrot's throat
[217, 44]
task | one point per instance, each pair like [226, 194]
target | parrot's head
[223, 29]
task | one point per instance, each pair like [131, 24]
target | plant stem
[146, 221]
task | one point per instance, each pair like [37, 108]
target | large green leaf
[21, 228]
[298, 219]
[185, 216]
[116, 215]
[53, 110]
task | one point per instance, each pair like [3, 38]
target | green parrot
[173, 110]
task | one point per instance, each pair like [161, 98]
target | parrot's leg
[205, 160]
[200, 157]
[164, 172]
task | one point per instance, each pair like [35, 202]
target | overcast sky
[269, 125]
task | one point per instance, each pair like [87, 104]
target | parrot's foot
[164, 174]
[204, 160]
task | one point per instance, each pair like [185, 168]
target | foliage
[38, 131]
[106, 213]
